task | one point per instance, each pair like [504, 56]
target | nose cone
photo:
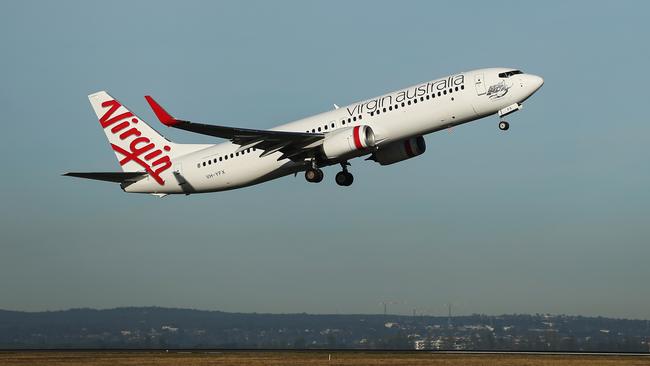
[536, 82]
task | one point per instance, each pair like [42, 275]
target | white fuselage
[413, 111]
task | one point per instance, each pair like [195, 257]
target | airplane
[387, 129]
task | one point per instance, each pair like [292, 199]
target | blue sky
[552, 216]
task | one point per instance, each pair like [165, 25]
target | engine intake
[348, 141]
[400, 150]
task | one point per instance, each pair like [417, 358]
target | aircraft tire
[314, 175]
[344, 179]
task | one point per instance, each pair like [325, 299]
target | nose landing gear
[344, 178]
[503, 125]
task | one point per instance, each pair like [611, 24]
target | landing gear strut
[344, 178]
[504, 126]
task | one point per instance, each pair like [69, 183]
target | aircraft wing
[293, 145]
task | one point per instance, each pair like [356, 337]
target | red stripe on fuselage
[357, 137]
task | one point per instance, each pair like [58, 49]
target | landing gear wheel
[344, 178]
[504, 126]
[314, 175]
[350, 179]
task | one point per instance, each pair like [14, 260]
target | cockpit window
[508, 74]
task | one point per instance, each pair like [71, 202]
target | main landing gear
[344, 178]
[314, 175]
[504, 126]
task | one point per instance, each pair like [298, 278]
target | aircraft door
[479, 83]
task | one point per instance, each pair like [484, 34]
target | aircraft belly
[148, 185]
[249, 171]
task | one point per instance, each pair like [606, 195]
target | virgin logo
[139, 145]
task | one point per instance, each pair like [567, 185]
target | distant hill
[153, 327]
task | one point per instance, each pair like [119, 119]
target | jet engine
[399, 150]
[347, 141]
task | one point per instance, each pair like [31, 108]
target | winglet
[164, 117]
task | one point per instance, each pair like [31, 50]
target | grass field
[306, 358]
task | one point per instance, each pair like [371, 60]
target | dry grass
[304, 358]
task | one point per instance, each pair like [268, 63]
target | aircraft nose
[536, 82]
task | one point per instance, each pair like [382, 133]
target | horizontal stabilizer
[117, 177]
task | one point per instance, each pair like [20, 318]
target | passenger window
[333, 123]
[444, 92]
[360, 116]
[438, 93]
[427, 96]
[326, 127]
[221, 158]
[384, 110]
[204, 163]
[231, 155]
[198, 165]
[390, 108]
[462, 87]
[415, 100]
[403, 104]
[409, 102]
[456, 88]
[421, 99]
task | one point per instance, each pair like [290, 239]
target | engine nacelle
[347, 141]
[400, 150]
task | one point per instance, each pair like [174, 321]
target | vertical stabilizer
[138, 147]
